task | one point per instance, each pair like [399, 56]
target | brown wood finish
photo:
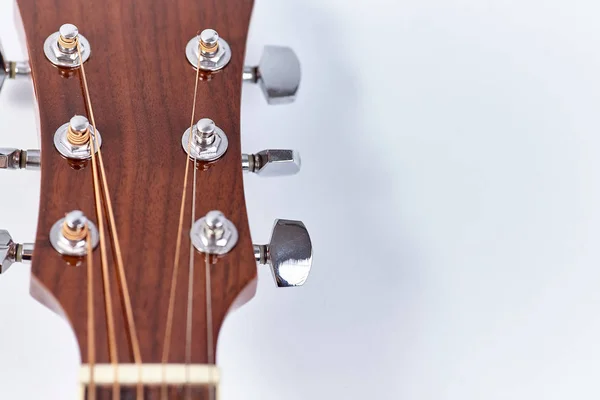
[155, 393]
[141, 87]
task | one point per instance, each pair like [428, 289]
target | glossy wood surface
[155, 393]
[141, 87]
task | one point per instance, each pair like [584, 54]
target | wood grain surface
[141, 87]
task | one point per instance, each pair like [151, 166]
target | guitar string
[209, 323]
[135, 347]
[90, 321]
[168, 329]
[190, 303]
[112, 345]
[122, 280]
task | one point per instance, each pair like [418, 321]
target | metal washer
[68, 247]
[194, 154]
[51, 45]
[197, 232]
[73, 151]
[206, 64]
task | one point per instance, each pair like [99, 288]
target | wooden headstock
[141, 87]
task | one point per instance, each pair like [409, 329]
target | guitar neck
[154, 393]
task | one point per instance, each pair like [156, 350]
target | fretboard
[153, 393]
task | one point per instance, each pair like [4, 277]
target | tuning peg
[19, 159]
[289, 253]
[278, 74]
[272, 162]
[12, 69]
[11, 252]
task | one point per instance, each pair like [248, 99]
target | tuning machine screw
[208, 141]
[208, 51]
[73, 139]
[289, 253]
[19, 159]
[214, 234]
[277, 73]
[11, 252]
[68, 235]
[60, 47]
[12, 69]
[273, 162]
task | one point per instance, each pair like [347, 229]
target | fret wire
[112, 345]
[168, 329]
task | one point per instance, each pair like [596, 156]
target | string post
[204, 132]
[209, 42]
[214, 234]
[78, 131]
[69, 235]
[67, 38]
[214, 223]
[61, 47]
[204, 141]
[74, 139]
[75, 226]
[208, 51]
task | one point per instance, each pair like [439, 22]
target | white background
[451, 186]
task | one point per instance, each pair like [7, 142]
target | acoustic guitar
[143, 242]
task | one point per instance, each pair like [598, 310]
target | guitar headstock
[143, 241]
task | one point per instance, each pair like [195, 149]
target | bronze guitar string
[169, 324]
[112, 345]
[67, 43]
[209, 322]
[90, 315]
[122, 279]
[135, 347]
[78, 138]
[190, 294]
[75, 235]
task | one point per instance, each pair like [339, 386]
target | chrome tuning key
[12, 69]
[208, 141]
[19, 159]
[11, 252]
[289, 253]
[208, 51]
[277, 73]
[61, 47]
[69, 235]
[272, 162]
[73, 139]
[214, 234]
